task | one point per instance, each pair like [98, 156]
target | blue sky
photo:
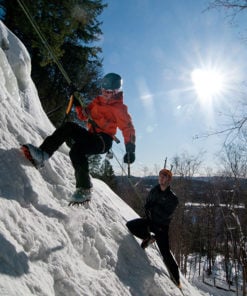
[155, 45]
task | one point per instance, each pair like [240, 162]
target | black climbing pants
[83, 144]
[141, 228]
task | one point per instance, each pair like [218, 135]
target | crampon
[78, 203]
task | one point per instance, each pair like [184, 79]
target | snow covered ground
[46, 247]
[215, 284]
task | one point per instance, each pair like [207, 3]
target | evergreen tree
[70, 29]
[107, 174]
[95, 165]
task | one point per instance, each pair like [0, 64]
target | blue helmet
[111, 81]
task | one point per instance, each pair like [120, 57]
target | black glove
[76, 102]
[73, 90]
[129, 156]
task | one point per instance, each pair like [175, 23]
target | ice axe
[69, 107]
[128, 166]
[71, 101]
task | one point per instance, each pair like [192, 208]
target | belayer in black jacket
[159, 208]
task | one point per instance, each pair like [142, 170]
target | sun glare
[207, 83]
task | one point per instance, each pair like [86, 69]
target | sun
[208, 83]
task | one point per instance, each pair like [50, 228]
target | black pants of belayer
[141, 228]
[83, 144]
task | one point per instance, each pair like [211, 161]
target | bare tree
[186, 165]
[235, 163]
[234, 5]
[237, 127]
[234, 160]
[234, 126]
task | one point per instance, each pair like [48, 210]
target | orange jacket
[108, 115]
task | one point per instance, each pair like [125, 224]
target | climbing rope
[43, 39]
[126, 174]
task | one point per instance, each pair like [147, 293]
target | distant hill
[196, 189]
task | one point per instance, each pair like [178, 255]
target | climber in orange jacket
[104, 115]
[107, 113]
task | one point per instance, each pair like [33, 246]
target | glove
[129, 156]
[76, 102]
[72, 90]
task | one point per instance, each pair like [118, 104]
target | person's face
[164, 180]
[108, 93]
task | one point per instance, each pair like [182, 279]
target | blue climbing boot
[80, 196]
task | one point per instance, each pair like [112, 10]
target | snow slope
[47, 248]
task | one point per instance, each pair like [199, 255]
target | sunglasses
[108, 91]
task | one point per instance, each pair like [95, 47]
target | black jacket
[160, 206]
